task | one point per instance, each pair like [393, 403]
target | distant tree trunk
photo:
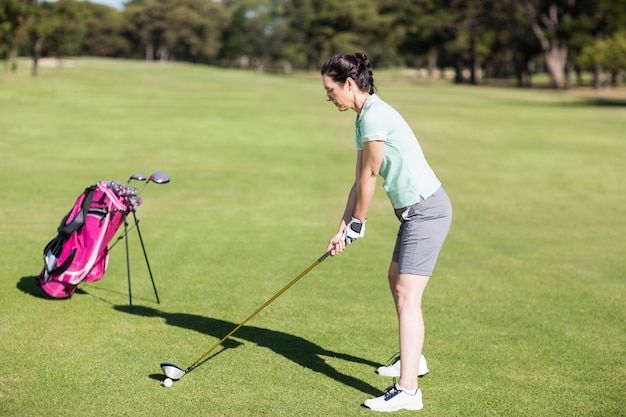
[614, 77]
[432, 63]
[525, 79]
[36, 55]
[458, 76]
[149, 51]
[555, 60]
[568, 76]
[579, 77]
[473, 57]
[313, 60]
[597, 70]
[13, 59]
[597, 75]
[554, 50]
[521, 70]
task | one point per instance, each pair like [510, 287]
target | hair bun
[361, 57]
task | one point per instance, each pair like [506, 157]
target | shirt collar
[368, 103]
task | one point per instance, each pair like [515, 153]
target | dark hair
[355, 66]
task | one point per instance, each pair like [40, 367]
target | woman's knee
[410, 289]
[392, 274]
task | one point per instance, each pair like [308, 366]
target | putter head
[137, 177]
[160, 177]
[172, 371]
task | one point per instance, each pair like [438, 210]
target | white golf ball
[167, 383]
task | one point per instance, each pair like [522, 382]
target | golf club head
[160, 177]
[137, 177]
[172, 371]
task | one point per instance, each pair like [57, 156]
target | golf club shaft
[268, 302]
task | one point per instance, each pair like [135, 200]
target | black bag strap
[66, 230]
[54, 248]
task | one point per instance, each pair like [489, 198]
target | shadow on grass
[587, 101]
[294, 348]
[606, 102]
[29, 285]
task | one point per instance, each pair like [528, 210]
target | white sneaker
[396, 399]
[393, 369]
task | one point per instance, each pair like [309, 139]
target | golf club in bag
[80, 251]
[175, 372]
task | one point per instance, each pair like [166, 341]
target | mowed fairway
[525, 314]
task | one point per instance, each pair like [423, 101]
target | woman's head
[356, 66]
[348, 81]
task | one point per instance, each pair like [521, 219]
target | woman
[386, 146]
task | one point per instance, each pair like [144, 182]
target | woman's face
[340, 95]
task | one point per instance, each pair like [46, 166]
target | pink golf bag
[80, 251]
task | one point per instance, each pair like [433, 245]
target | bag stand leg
[130, 294]
[145, 255]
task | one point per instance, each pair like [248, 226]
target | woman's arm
[372, 158]
[368, 163]
[335, 241]
[352, 196]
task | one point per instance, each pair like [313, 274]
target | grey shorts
[423, 229]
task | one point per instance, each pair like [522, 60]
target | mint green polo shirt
[407, 176]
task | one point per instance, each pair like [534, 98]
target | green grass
[525, 314]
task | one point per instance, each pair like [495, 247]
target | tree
[473, 36]
[135, 29]
[324, 28]
[497, 37]
[257, 33]
[59, 24]
[234, 36]
[549, 21]
[452, 32]
[189, 30]
[193, 29]
[66, 28]
[422, 27]
[13, 15]
[608, 53]
[104, 35]
[511, 47]
[603, 19]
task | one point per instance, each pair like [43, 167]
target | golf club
[175, 372]
[137, 177]
[158, 177]
[129, 194]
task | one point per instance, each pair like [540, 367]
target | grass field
[525, 314]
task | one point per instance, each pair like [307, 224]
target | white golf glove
[354, 230]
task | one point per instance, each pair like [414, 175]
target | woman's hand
[336, 245]
[353, 231]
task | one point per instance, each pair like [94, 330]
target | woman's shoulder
[380, 109]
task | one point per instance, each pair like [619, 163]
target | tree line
[475, 38]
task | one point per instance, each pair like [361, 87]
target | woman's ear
[350, 83]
